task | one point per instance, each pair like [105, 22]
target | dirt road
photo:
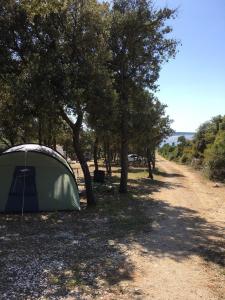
[184, 255]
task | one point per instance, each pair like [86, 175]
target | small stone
[137, 291]
[216, 185]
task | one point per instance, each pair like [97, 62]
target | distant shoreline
[174, 138]
[183, 133]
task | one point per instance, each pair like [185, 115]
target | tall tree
[150, 126]
[139, 47]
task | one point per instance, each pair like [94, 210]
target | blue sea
[173, 138]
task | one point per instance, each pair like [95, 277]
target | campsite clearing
[164, 240]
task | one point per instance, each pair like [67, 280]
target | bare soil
[184, 257]
[164, 240]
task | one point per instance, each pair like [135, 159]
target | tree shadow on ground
[179, 232]
[131, 169]
[75, 254]
[147, 186]
[165, 174]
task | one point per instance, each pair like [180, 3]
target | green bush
[214, 161]
[187, 154]
[185, 159]
[168, 151]
[206, 151]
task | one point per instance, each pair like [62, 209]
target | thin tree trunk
[100, 152]
[39, 132]
[108, 155]
[124, 135]
[150, 174]
[85, 169]
[54, 142]
[111, 155]
[96, 154]
[49, 133]
[114, 155]
[80, 155]
[106, 158]
[153, 159]
[124, 151]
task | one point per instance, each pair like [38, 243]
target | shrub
[215, 158]
[185, 159]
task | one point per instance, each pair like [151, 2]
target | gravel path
[184, 255]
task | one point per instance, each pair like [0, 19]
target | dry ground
[164, 240]
[185, 253]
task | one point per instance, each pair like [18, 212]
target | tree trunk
[153, 159]
[100, 152]
[49, 135]
[96, 154]
[114, 155]
[80, 155]
[124, 148]
[150, 174]
[108, 157]
[54, 142]
[85, 169]
[39, 132]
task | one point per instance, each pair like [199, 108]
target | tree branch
[66, 118]
[74, 126]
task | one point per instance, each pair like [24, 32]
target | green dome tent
[36, 178]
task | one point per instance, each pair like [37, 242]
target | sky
[193, 84]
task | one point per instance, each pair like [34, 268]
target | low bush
[206, 151]
[214, 161]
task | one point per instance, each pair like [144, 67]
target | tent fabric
[36, 178]
[41, 149]
[18, 190]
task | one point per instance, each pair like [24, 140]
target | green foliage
[149, 124]
[215, 157]
[206, 150]
[180, 152]
[168, 151]
[140, 43]
[186, 156]
[78, 72]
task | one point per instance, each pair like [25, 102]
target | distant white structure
[59, 149]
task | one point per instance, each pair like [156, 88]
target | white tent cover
[41, 149]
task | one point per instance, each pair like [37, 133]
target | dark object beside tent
[99, 176]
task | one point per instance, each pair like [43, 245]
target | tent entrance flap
[23, 193]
